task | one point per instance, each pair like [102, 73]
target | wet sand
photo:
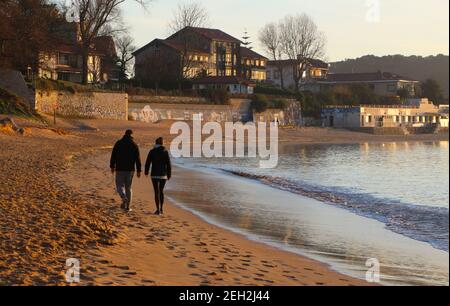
[57, 202]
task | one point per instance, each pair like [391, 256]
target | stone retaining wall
[96, 105]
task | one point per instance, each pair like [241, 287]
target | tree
[97, 17]
[432, 90]
[301, 41]
[260, 103]
[269, 38]
[189, 15]
[29, 25]
[125, 48]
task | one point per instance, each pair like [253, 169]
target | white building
[234, 85]
[415, 113]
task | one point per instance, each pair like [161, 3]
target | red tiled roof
[72, 48]
[365, 77]
[318, 63]
[171, 43]
[222, 80]
[248, 53]
[180, 46]
[213, 34]
[313, 62]
[105, 45]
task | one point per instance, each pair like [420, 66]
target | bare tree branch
[125, 48]
[270, 39]
[301, 41]
[296, 38]
[189, 15]
[98, 17]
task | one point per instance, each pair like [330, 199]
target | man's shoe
[161, 212]
[124, 204]
[157, 212]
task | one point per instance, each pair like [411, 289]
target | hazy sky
[353, 27]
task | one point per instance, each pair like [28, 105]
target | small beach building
[414, 113]
[234, 85]
[384, 84]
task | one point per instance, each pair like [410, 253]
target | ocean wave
[423, 223]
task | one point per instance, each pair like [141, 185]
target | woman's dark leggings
[158, 186]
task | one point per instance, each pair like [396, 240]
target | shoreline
[203, 253]
[232, 261]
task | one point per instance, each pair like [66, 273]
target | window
[63, 59]
[276, 75]
[392, 88]
[268, 74]
[63, 76]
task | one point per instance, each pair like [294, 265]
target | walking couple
[126, 160]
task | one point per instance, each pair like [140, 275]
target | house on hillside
[253, 65]
[316, 70]
[382, 83]
[64, 62]
[195, 53]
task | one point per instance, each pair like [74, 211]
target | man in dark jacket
[161, 172]
[125, 160]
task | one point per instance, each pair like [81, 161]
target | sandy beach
[57, 202]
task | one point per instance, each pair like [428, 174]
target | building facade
[253, 65]
[64, 61]
[198, 52]
[316, 70]
[415, 113]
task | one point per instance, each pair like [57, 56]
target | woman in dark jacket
[158, 158]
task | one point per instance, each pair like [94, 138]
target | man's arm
[113, 161]
[138, 160]
[148, 163]
[169, 165]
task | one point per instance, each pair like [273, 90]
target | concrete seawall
[237, 110]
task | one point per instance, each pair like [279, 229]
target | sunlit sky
[353, 27]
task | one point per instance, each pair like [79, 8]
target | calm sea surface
[341, 204]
